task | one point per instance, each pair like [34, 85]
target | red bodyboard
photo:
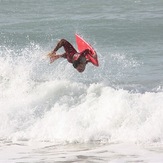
[82, 45]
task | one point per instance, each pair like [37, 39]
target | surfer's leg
[67, 46]
[59, 45]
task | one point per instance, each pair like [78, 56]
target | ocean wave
[38, 102]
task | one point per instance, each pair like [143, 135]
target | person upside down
[78, 60]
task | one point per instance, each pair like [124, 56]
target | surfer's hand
[95, 55]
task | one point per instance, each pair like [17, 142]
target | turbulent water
[52, 113]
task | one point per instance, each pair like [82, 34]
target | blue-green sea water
[52, 113]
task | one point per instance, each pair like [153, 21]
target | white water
[64, 110]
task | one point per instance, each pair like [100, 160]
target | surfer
[79, 60]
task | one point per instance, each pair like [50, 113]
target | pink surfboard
[82, 45]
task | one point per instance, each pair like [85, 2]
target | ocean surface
[111, 113]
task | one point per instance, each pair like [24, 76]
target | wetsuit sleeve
[90, 58]
[85, 52]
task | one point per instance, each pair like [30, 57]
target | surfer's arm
[85, 52]
[93, 59]
[90, 57]
[88, 52]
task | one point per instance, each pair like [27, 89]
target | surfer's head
[81, 67]
[80, 64]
